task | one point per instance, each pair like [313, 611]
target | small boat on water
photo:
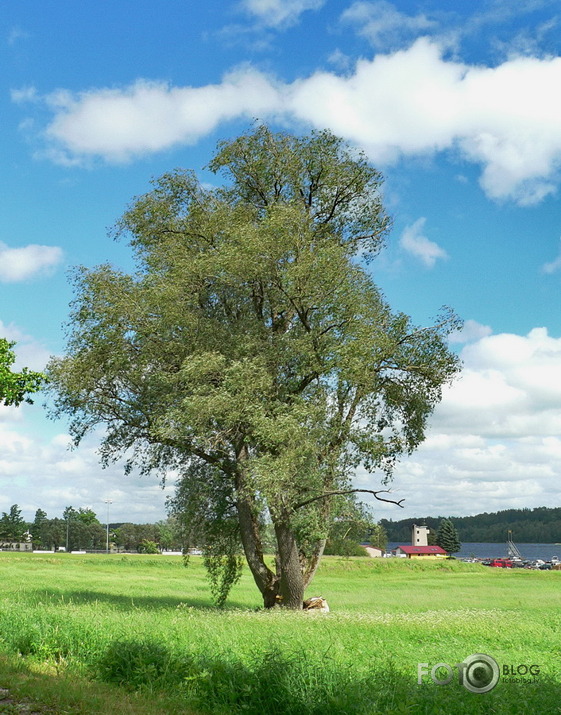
[512, 549]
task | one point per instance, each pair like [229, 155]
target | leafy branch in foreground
[15, 387]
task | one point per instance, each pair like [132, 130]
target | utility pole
[108, 502]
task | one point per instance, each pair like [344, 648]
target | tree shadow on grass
[126, 603]
[34, 691]
[273, 681]
[284, 682]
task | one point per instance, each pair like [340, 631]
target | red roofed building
[414, 552]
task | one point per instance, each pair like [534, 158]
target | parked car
[501, 563]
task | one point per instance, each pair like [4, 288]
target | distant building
[419, 535]
[16, 546]
[420, 552]
[373, 551]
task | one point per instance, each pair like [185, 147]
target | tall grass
[146, 627]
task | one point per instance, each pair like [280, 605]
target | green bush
[148, 547]
[343, 547]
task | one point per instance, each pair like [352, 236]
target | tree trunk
[265, 580]
[313, 562]
[291, 581]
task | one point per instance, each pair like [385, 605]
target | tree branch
[351, 491]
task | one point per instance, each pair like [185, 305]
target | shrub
[148, 547]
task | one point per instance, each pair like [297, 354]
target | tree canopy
[12, 525]
[447, 537]
[252, 352]
[15, 387]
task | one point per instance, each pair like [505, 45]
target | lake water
[489, 551]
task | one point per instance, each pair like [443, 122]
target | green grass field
[138, 634]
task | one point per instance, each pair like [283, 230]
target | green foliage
[52, 533]
[137, 664]
[352, 522]
[15, 387]
[205, 510]
[148, 547]
[83, 529]
[343, 547]
[252, 344]
[447, 537]
[12, 525]
[87, 516]
[37, 526]
[378, 537]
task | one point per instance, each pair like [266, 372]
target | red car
[501, 563]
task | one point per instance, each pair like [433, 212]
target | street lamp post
[108, 502]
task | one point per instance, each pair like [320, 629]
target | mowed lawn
[139, 634]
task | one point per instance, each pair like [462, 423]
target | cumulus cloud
[415, 102]
[414, 241]
[152, 116]
[19, 264]
[494, 441]
[510, 385]
[410, 102]
[279, 13]
[46, 474]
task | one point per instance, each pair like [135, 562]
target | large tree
[15, 387]
[12, 525]
[447, 537]
[252, 351]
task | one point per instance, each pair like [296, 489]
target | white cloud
[410, 102]
[414, 101]
[510, 386]
[150, 116]
[19, 264]
[24, 94]
[414, 241]
[469, 332]
[279, 13]
[45, 474]
[29, 353]
[38, 471]
[553, 266]
[384, 25]
[494, 441]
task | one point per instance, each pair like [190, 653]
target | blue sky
[457, 104]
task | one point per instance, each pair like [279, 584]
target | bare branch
[351, 491]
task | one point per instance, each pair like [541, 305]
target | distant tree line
[538, 525]
[81, 530]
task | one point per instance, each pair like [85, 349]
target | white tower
[419, 535]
